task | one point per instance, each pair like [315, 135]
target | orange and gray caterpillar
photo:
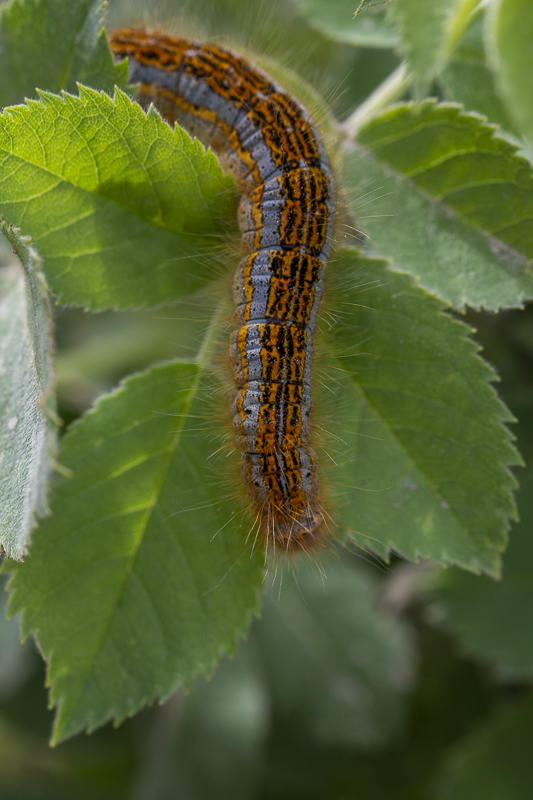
[286, 215]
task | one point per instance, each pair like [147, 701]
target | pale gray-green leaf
[27, 403]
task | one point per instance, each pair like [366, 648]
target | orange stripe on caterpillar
[267, 141]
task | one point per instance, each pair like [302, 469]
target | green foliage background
[379, 679]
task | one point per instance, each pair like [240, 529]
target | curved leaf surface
[421, 447]
[129, 590]
[27, 401]
[120, 206]
[453, 203]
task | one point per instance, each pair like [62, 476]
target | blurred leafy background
[395, 681]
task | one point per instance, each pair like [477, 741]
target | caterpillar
[267, 141]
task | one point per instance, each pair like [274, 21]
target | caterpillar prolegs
[286, 215]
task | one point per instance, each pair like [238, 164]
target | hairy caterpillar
[286, 215]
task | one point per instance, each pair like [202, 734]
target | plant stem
[203, 358]
[391, 89]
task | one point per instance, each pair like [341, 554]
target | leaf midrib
[142, 528]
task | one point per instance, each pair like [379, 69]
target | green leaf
[350, 664]
[493, 620]
[336, 20]
[429, 32]
[128, 564]
[422, 449]
[426, 33]
[509, 37]
[467, 78]
[494, 762]
[27, 400]
[121, 206]
[129, 590]
[51, 45]
[454, 203]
